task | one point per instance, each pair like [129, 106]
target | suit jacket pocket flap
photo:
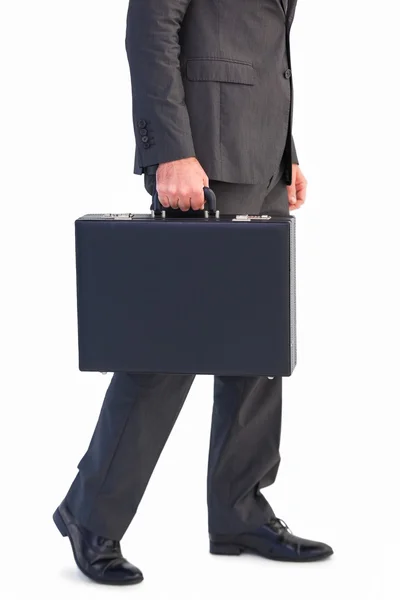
[215, 69]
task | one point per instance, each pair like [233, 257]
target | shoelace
[282, 523]
[107, 543]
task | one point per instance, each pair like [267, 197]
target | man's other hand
[180, 184]
[298, 189]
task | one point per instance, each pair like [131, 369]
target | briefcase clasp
[249, 218]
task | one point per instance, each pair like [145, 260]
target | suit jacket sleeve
[295, 160]
[161, 120]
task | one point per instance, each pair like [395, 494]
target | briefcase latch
[249, 218]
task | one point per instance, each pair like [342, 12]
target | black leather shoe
[273, 540]
[97, 557]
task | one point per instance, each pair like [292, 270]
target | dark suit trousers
[139, 412]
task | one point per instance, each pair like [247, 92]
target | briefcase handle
[209, 196]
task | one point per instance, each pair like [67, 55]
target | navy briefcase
[173, 292]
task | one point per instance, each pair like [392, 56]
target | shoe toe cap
[318, 550]
[123, 572]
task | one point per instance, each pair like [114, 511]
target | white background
[67, 149]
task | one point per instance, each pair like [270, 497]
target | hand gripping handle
[210, 199]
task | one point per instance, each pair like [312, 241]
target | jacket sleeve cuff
[157, 141]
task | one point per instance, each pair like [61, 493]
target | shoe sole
[236, 550]
[62, 528]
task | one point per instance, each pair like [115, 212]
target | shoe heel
[58, 520]
[226, 549]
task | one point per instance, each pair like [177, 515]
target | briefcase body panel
[186, 295]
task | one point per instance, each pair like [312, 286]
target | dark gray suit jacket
[212, 79]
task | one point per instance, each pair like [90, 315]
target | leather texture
[213, 80]
[97, 557]
[238, 317]
[273, 540]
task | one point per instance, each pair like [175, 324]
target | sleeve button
[146, 145]
[145, 138]
[142, 123]
[143, 131]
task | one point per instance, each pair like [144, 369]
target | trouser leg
[137, 416]
[244, 451]
[246, 424]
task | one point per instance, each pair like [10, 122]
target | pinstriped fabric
[220, 89]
